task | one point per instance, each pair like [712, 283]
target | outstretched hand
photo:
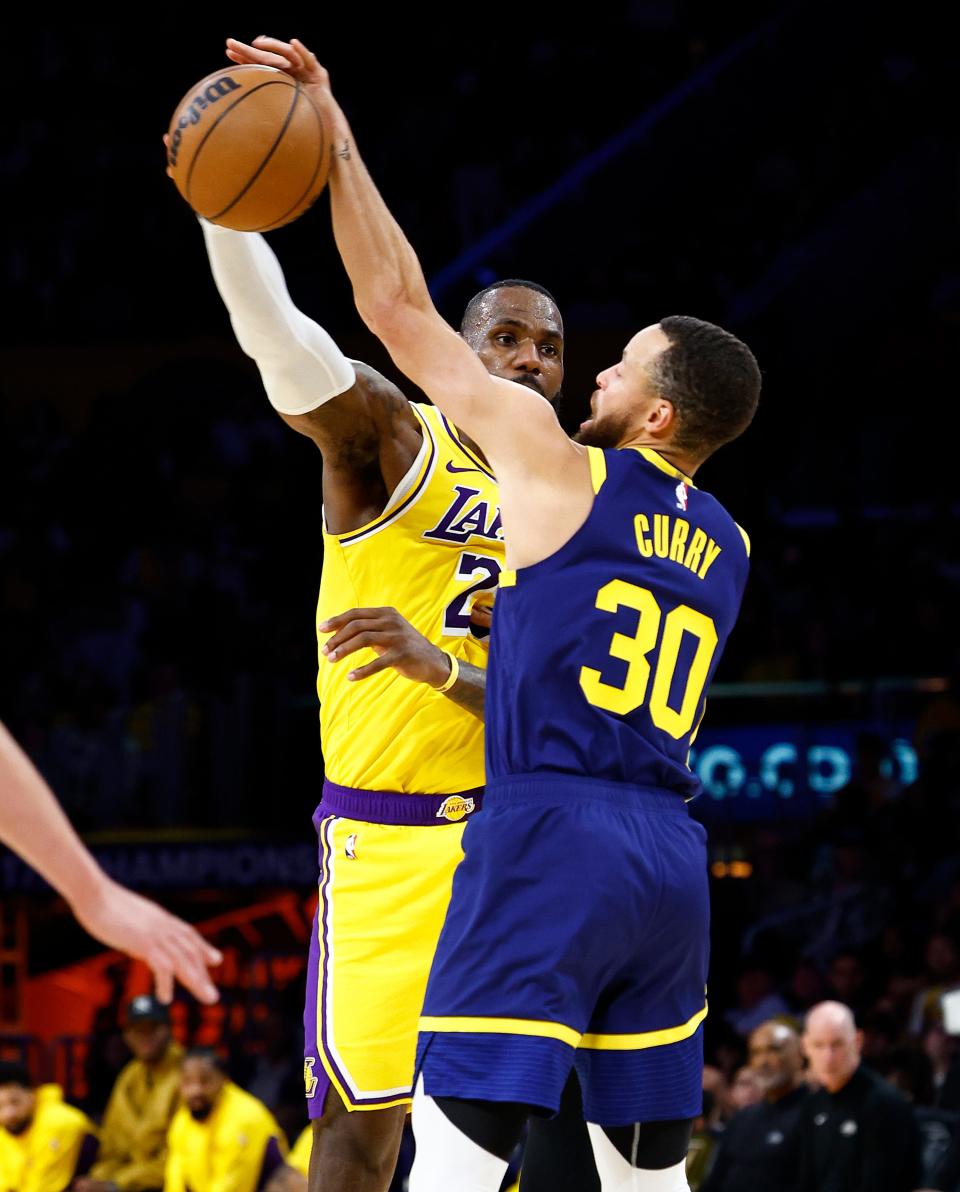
[173, 949]
[292, 56]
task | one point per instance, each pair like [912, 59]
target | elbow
[375, 312]
[388, 315]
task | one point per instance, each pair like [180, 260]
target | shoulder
[386, 403]
[886, 1099]
[180, 1122]
[62, 1117]
[132, 1070]
[745, 1121]
[376, 385]
[245, 1109]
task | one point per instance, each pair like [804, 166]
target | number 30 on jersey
[636, 651]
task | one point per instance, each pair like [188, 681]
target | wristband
[454, 673]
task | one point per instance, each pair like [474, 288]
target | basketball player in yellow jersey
[410, 520]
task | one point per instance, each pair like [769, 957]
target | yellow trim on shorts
[501, 1026]
[672, 1034]
[564, 1034]
[598, 467]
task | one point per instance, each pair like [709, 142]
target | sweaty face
[623, 392]
[200, 1081]
[518, 335]
[147, 1040]
[16, 1107]
[775, 1056]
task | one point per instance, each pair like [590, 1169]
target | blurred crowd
[809, 1102]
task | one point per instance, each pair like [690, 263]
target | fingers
[481, 615]
[212, 957]
[163, 980]
[189, 956]
[286, 48]
[308, 58]
[178, 952]
[354, 638]
[371, 668]
[331, 624]
[166, 145]
[268, 52]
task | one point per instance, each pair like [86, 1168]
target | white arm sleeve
[300, 365]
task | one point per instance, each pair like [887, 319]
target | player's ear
[662, 416]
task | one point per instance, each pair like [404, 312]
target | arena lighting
[734, 869]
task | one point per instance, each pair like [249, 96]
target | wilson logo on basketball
[455, 807]
[247, 148]
[199, 104]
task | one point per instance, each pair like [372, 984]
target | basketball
[248, 148]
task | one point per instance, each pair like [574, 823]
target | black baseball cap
[147, 1008]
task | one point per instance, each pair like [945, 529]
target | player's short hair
[208, 1055]
[15, 1074]
[711, 378]
[472, 310]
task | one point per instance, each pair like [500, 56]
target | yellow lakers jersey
[435, 551]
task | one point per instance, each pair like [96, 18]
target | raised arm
[516, 428]
[33, 824]
[361, 422]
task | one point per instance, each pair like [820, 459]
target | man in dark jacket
[858, 1133]
[760, 1147]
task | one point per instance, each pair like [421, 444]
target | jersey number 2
[456, 619]
[635, 652]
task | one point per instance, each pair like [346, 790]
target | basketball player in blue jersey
[578, 928]
[410, 520]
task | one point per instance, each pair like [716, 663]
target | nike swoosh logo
[454, 468]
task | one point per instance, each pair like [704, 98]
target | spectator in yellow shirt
[44, 1144]
[300, 1154]
[221, 1138]
[133, 1138]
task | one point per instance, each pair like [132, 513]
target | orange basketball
[248, 148]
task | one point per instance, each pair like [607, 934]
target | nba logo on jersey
[682, 495]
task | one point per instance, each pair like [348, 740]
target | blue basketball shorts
[577, 934]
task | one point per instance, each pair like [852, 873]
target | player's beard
[602, 432]
[531, 382]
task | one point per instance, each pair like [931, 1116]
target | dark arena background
[788, 171]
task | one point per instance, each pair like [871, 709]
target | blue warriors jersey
[602, 653]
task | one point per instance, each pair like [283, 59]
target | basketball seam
[222, 116]
[272, 151]
[323, 147]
